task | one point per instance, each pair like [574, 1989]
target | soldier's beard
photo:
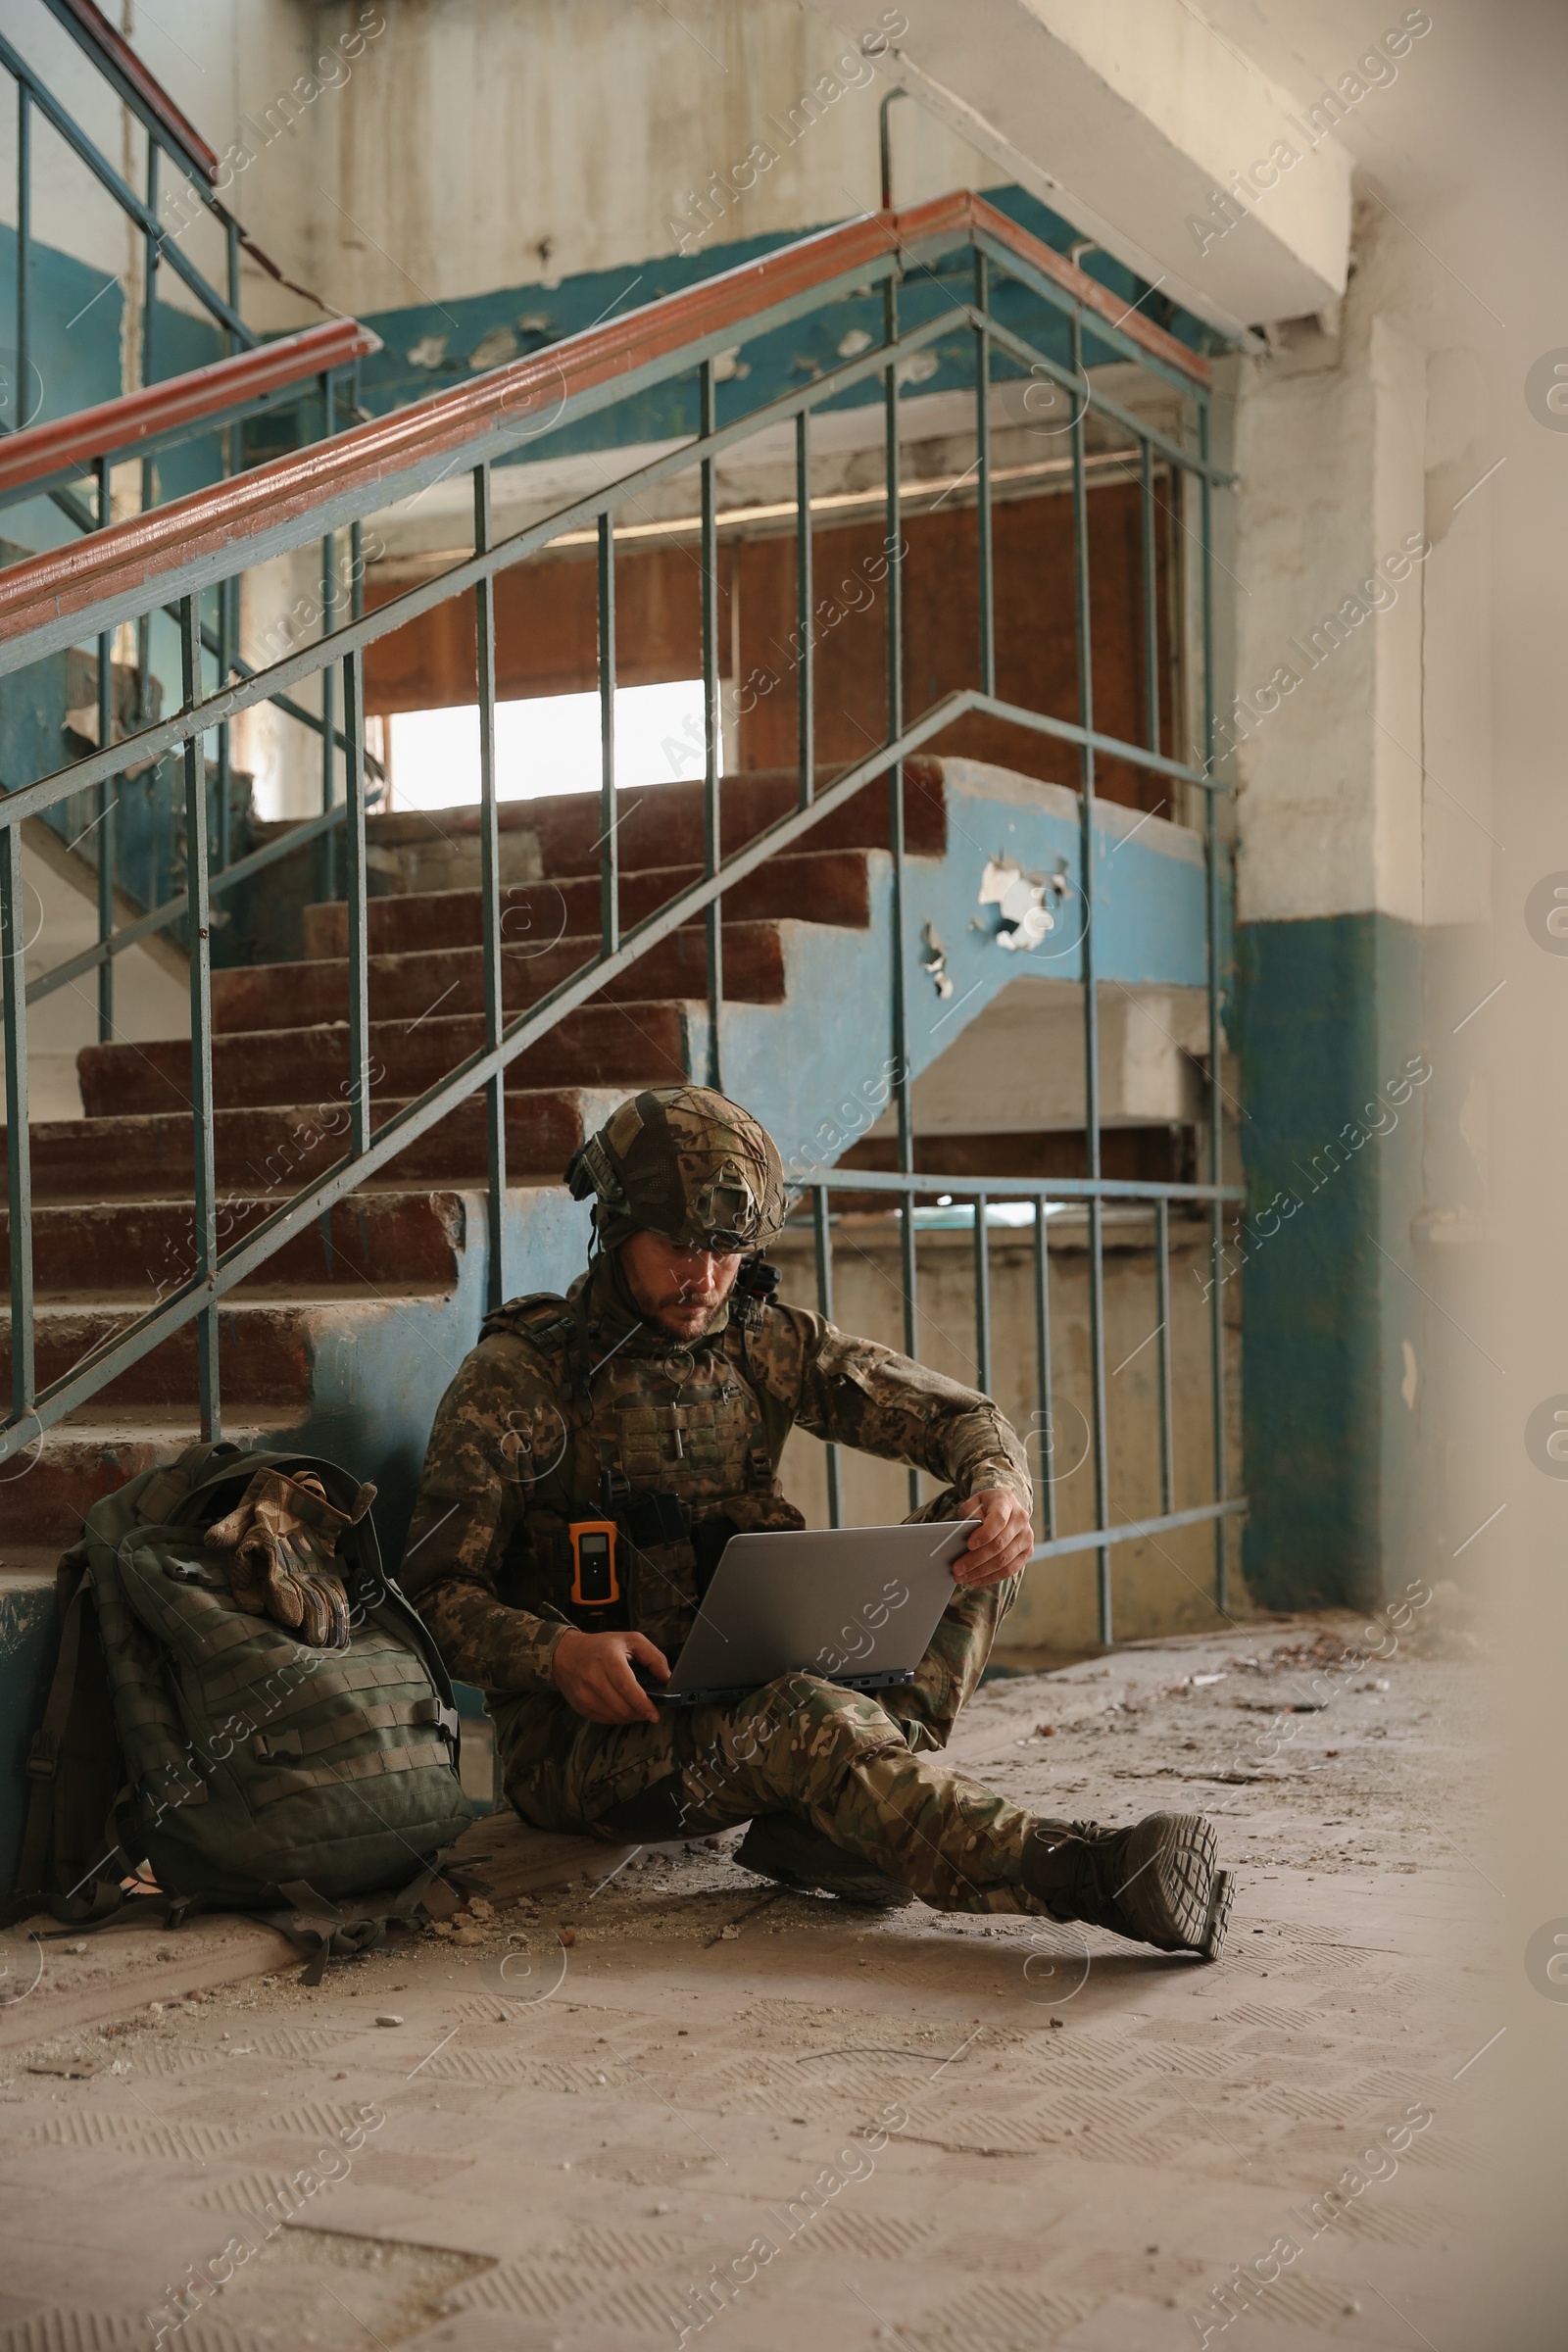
[683, 1316]
[671, 1302]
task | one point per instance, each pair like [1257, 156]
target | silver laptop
[858, 1605]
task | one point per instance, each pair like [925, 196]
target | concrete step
[451, 980]
[822, 886]
[47, 1490]
[662, 825]
[277, 1151]
[402, 1243]
[599, 1044]
[269, 1348]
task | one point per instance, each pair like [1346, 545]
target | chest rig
[669, 1444]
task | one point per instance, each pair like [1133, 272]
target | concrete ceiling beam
[1152, 132]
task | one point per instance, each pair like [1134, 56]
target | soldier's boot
[793, 1854]
[1157, 1882]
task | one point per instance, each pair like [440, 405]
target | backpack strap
[368, 1767]
[74, 1771]
[43, 1753]
[270, 1747]
[321, 1928]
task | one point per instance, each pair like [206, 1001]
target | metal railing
[213, 535]
[169, 137]
[43, 456]
[39, 459]
[1041, 1194]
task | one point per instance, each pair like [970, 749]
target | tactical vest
[671, 1447]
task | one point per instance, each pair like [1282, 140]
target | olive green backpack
[245, 1769]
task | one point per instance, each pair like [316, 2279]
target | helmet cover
[685, 1162]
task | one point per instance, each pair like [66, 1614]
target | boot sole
[1191, 1892]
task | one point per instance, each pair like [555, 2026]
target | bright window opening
[548, 743]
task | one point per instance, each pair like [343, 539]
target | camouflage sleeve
[858, 1393]
[468, 1506]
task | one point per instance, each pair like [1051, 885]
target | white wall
[1330, 528]
[448, 150]
[1018, 1068]
[585, 125]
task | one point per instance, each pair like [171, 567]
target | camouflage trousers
[858, 1766]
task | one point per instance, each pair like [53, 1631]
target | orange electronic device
[595, 1583]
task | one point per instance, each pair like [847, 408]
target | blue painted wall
[447, 335]
[75, 321]
[1328, 1031]
[75, 348]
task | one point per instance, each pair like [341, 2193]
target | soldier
[657, 1393]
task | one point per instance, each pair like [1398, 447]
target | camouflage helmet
[686, 1162]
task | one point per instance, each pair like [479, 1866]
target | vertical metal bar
[198, 919]
[359, 926]
[824, 1307]
[357, 600]
[885, 148]
[804, 648]
[893, 548]
[1167, 1435]
[495, 1095]
[144, 626]
[712, 734]
[19, 1157]
[231, 254]
[981, 1295]
[982, 442]
[329, 674]
[1097, 1233]
[609, 811]
[225, 770]
[152, 243]
[356, 609]
[107, 793]
[1046, 1411]
[1217, 1151]
[1151, 600]
[228, 590]
[23, 406]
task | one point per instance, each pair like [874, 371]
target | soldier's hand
[1001, 1543]
[594, 1674]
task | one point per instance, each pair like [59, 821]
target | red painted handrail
[121, 64]
[217, 521]
[41, 451]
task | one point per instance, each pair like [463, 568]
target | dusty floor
[791, 2124]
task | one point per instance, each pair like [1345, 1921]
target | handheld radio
[595, 1577]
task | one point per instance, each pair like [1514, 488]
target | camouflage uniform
[489, 1566]
[579, 1410]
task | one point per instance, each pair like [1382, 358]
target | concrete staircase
[346, 1338]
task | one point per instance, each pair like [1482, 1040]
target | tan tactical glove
[284, 1535]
